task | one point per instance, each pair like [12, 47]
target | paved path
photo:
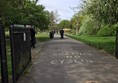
[70, 61]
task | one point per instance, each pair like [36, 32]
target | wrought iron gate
[20, 50]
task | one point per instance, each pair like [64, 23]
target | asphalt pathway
[70, 61]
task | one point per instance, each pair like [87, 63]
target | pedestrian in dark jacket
[62, 33]
[51, 35]
[33, 39]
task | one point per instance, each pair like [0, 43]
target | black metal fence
[116, 51]
[20, 50]
[3, 59]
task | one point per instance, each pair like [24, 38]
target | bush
[89, 26]
[107, 30]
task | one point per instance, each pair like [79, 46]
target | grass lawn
[103, 43]
[8, 50]
[41, 37]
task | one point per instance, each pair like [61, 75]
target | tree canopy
[23, 12]
[64, 24]
[105, 11]
[97, 17]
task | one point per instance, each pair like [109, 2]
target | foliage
[75, 21]
[36, 15]
[23, 12]
[89, 26]
[106, 30]
[64, 24]
[8, 10]
[53, 20]
[105, 11]
[98, 17]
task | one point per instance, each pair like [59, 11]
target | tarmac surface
[71, 61]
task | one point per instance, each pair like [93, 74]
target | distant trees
[63, 24]
[54, 20]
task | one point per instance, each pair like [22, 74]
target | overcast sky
[62, 6]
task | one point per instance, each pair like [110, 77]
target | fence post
[4, 71]
[116, 50]
[12, 55]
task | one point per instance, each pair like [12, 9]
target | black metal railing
[20, 50]
[116, 51]
[3, 58]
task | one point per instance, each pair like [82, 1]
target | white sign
[24, 36]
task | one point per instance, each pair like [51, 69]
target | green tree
[89, 26]
[64, 24]
[53, 20]
[76, 21]
[105, 11]
[23, 12]
[36, 15]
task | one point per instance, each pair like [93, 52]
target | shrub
[89, 27]
[107, 30]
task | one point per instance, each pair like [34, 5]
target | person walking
[51, 34]
[62, 33]
[33, 39]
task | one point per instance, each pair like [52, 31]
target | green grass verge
[7, 33]
[42, 37]
[8, 52]
[103, 43]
